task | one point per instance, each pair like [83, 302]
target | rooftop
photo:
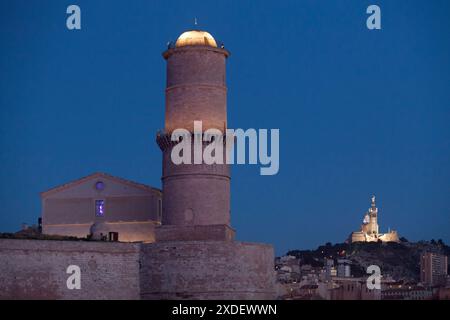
[196, 38]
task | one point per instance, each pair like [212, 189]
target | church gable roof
[98, 175]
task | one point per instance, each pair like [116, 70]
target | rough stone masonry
[194, 255]
[36, 269]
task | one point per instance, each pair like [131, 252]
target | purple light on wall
[99, 208]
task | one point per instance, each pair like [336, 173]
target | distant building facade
[287, 269]
[407, 293]
[444, 293]
[103, 207]
[370, 230]
[353, 289]
[344, 268]
[330, 269]
[433, 269]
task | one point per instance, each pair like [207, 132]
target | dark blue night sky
[359, 111]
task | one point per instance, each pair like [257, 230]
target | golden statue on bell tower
[370, 228]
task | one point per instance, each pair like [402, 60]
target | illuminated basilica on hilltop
[370, 230]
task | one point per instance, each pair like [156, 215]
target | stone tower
[196, 202]
[373, 218]
[195, 255]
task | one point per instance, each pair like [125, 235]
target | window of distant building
[100, 208]
[159, 209]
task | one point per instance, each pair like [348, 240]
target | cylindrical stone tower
[196, 197]
[195, 255]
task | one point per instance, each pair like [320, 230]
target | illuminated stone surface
[193, 254]
[195, 38]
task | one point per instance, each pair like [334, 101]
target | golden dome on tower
[196, 38]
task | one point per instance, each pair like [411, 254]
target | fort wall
[36, 269]
[207, 270]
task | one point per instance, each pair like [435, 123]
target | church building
[147, 243]
[370, 230]
[103, 207]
